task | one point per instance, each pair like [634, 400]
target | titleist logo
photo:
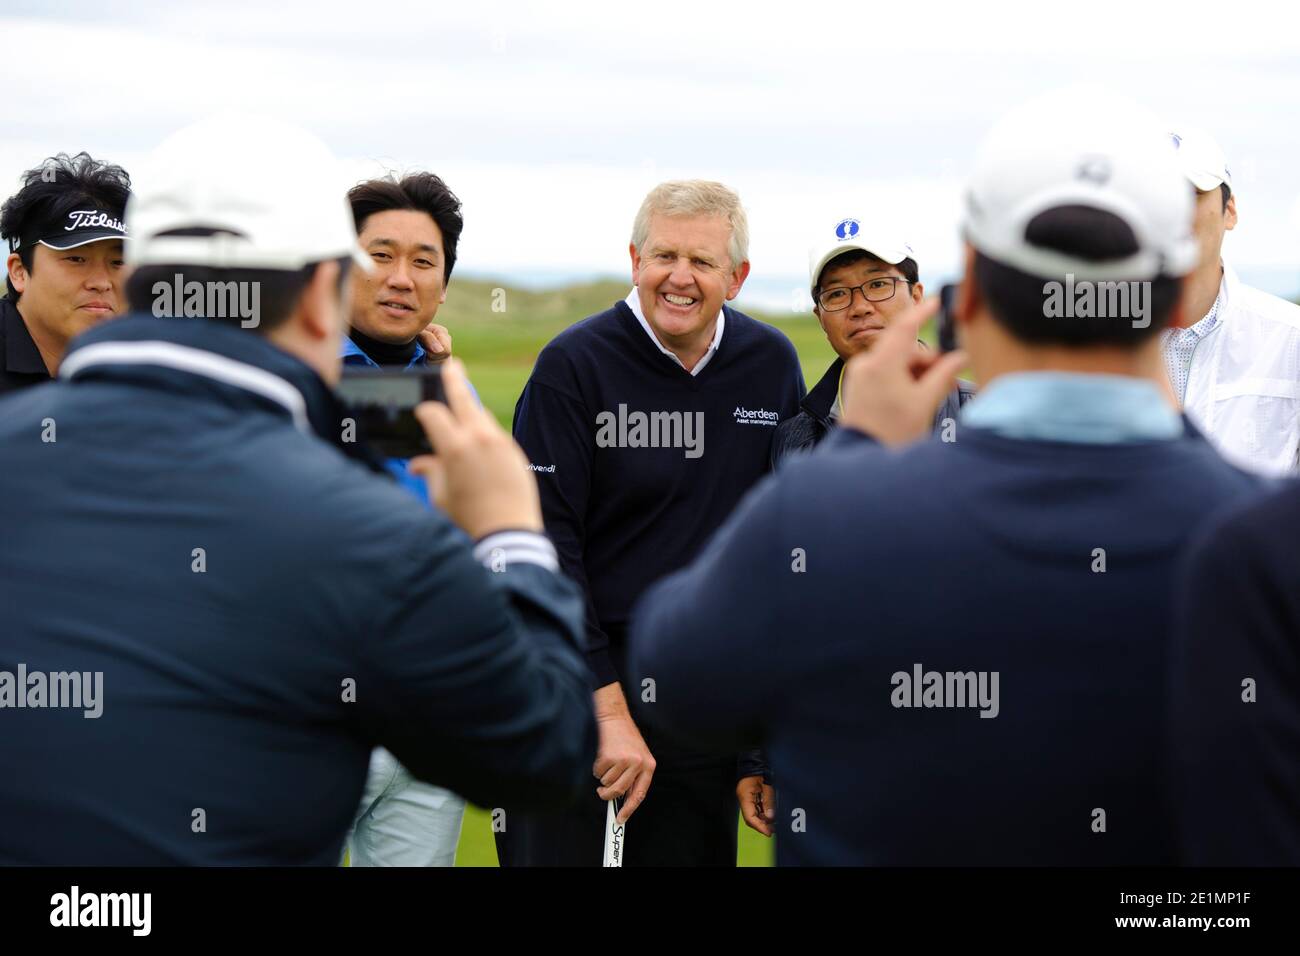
[90, 218]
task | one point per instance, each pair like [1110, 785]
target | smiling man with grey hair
[646, 425]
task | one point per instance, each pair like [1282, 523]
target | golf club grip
[614, 834]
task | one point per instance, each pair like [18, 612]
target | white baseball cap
[275, 193]
[847, 233]
[1202, 160]
[1081, 147]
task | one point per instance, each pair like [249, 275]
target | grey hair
[695, 197]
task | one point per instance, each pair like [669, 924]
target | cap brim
[219, 252]
[82, 237]
[1205, 181]
[850, 245]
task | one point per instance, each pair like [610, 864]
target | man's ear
[636, 261]
[738, 277]
[320, 310]
[1230, 212]
[970, 298]
[918, 292]
[17, 272]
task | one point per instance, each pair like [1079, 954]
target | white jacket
[1243, 389]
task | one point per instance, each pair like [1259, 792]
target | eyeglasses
[873, 290]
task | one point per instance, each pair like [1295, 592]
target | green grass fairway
[477, 847]
[499, 347]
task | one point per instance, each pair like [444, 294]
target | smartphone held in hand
[381, 405]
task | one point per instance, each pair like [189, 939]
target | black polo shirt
[20, 361]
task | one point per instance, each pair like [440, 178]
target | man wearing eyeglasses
[860, 283]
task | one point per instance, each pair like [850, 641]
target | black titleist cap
[78, 228]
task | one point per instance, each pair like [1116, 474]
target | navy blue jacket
[1236, 745]
[855, 564]
[805, 431]
[332, 614]
[622, 516]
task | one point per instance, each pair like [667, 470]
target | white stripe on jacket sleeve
[499, 550]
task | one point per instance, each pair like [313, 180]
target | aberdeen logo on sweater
[755, 416]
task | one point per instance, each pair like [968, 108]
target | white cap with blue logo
[1201, 158]
[848, 234]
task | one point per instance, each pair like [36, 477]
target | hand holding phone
[479, 475]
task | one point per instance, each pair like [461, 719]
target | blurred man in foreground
[1235, 689]
[863, 278]
[969, 639]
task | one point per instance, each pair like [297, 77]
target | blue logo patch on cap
[847, 229]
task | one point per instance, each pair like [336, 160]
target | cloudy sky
[552, 120]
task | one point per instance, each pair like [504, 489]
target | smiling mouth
[681, 301]
[400, 308]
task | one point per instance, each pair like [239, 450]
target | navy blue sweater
[977, 556]
[1237, 761]
[621, 517]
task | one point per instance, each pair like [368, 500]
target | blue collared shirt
[354, 356]
[1074, 407]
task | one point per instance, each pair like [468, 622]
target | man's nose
[100, 279]
[399, 277]
[681, 274]
[860, 305]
